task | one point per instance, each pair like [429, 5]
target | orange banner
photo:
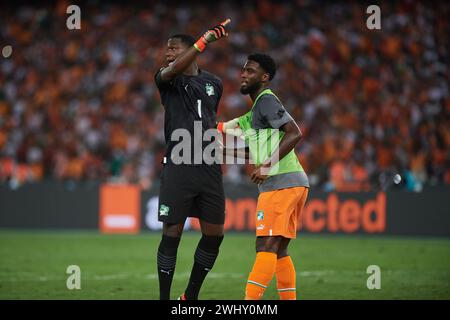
[329, 215]
[120, 208]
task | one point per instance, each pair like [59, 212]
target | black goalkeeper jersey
[188, 99]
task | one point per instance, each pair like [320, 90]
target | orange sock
[262, 273]
[285, 273]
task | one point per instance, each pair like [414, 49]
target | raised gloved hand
[213, 34]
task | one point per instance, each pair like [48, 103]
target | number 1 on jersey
[199, 107]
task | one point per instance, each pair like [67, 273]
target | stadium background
[79, 113]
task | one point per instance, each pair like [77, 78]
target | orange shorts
[278, 211]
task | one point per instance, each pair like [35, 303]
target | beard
[249, 89]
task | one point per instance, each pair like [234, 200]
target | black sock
[205, 256]
[167, 257]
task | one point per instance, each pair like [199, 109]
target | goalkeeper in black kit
[191, 188]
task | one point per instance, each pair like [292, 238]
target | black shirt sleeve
[162, 85]
[220, 85]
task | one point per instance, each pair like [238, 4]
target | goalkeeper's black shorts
[191, 191]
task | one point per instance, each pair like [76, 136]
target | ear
[265, 77]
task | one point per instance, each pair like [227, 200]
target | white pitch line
[27, 276]
[317, 273]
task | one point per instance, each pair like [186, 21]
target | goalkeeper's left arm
[232, 128]
[242, 153]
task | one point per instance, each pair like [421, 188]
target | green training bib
[262, 142]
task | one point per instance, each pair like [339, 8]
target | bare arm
[292, 136]
[179, 65]
[290, 139]
[242, 153]
[184, 60]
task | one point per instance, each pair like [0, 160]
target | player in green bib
[263, 141]
[271, 135]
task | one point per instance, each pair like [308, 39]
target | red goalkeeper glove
[212, 35]
[231, 127]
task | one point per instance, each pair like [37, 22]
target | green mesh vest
[262, 142]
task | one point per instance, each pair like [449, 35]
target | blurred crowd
[80, 105]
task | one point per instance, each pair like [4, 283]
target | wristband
[200, 45]
[220, 127]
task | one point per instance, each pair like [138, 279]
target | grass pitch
[33, 266]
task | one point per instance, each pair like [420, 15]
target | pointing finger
[224, 23]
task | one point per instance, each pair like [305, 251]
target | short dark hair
[184, 38]
[266, 62]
